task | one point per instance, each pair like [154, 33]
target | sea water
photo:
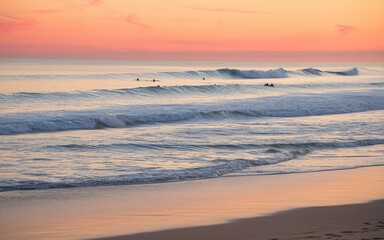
[79, 123]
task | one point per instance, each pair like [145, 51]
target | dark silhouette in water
[203, 78]
[269, 85]
[137, 79]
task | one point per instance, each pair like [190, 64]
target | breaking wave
[221, 168]
[128, 116]
[281, 153]
[221, 73]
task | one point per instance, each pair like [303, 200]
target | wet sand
[96, 212]
[358, 221]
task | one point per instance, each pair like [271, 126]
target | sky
[254, 30]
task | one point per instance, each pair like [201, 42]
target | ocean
[83, 123]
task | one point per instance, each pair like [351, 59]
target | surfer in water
[269, 85]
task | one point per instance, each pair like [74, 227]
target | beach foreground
[84, 213]
[358, 221]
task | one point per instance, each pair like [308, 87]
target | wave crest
[198, 74]
[292, 106]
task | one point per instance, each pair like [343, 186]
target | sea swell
[221, 73]
[304, 147]
[130, 116]
[179, 91]
[151, 91]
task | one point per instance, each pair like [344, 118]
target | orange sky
[351, 30]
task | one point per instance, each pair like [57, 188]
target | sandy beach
[85, 213]
[358, 221]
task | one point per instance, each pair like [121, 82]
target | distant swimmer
[154, 80]
[269, 85]
[137, 79]
[203, 78]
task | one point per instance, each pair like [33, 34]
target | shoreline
[183, 180]
[353, 221]
[97, 212]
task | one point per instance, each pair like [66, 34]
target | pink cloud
[131, 19]
[10, 23]
[47, 11]
[13, 26]
[230, 10]
[344, 29]
[7, 16]
[95, 2]
[80, 5]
